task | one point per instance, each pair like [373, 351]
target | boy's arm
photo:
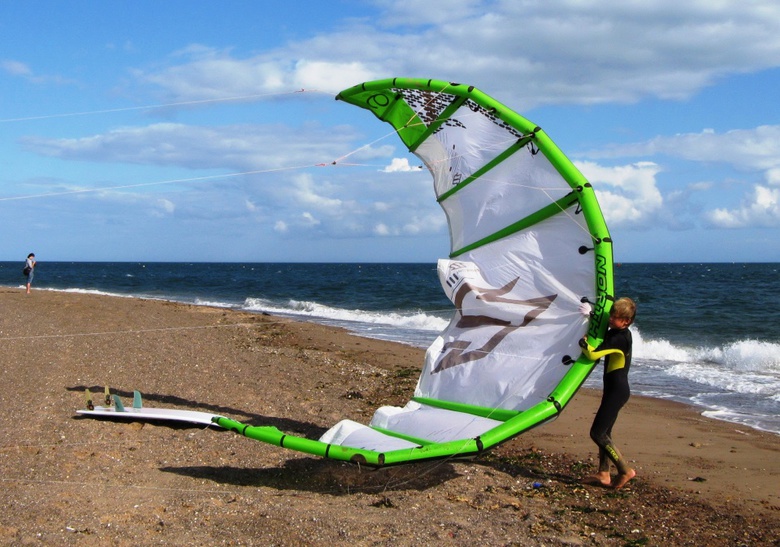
[617, 361]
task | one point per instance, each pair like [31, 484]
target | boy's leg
[602, 477]
[625, 473]
[600, 433]
[602, 425]
[603, 461]
[603, 456]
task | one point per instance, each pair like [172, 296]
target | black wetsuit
[616, 394]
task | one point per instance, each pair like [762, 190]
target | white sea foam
[740, 356]
[417, 320]
[747, 356]
[757, 421]
[721, 379]
[89, 291]
[211, 303]
[726, 378]
[658, 349]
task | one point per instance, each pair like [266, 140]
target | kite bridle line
[159, 106]
[156, 183]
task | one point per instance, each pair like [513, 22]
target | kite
[528, 246]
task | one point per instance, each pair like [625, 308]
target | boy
[616, 350]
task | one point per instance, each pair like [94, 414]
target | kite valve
[585, 308]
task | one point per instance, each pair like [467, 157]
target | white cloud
[415, 13]
[276, 176]
[773, 176]
[381, 206]
[574, 51]
[347, 204]
[210, 73]
[400, 165]
[308, 193]
[381, 230]
[23, 70]
[243, 147]
[162, 208]
[309, 220]
[324, 75]
[761, 208]
[166, 205]
[628, 194]
[15, 68]
[755, 149]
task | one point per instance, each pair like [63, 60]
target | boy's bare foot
[599, 479]
[622, 479]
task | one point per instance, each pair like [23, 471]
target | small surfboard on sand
[139, 412]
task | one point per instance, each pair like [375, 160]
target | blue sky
[206, 131]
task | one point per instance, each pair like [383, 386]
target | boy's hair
[624, 308]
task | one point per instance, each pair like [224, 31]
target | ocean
[705, 334]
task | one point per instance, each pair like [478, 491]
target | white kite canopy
[528, 246]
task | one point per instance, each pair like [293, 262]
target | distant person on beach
[29, 269]
[616, 351]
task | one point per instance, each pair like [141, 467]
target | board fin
[137, 403]
[88, 397]
[118, 404]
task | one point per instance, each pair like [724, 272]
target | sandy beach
[71, 480]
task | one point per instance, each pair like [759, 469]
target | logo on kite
[487, 314]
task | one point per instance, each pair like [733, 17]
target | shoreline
[69, 479]
[701, 409]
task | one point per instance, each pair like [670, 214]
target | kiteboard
[114, 408]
